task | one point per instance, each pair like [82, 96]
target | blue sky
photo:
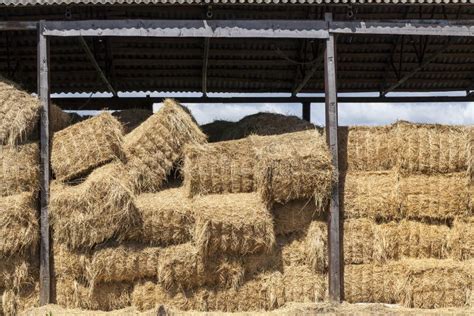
[349, 113]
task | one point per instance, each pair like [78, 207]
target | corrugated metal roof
[106, 2]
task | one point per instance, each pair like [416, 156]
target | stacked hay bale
[106, 236]
[408, 214]
[255, 233]
[19, 187]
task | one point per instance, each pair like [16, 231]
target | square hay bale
[70, 263]
[181, 268]
[19, 227]
[222, 167]
[105, 296]
[461, 239]
[435, 283]
[370, 194]
[157, 145]
[127, 262]
[435, 196]
[294, 216]
[234, 223]
[97, 210]
[302, 285]
[16, 271]
[291, 250]
[294, 166]
[470, 158]
[58, 119]
[166, 217]
[360, 245]
[19, 169]
[19, 113]
[14, 302]
[367, 148]
[80, 148]
[316, 247]
[431, 148]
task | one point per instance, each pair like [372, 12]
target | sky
[460, 113]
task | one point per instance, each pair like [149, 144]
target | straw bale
[461, 239]
[19, 169]
[131, 118]
[181, 267]
[104, 296]
[237, 223]
[291, 249]
[294, 166]
[370, 194]
[126, 262]
[19, 113]
[316, 246]
[265, 124]
[359, 243]
[70, 263]
[16, 301]
[223, 167]
[58, 119]
[16, 271]
[166, 217]
[470, 158]
[294, 216]
[215, 130]
[80, 148]
[94, 211]
[303, 286]
[154, 147]
[431, 148]
[19, 228]
[435, 196]
[367, 148]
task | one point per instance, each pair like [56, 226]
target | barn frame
[325, 30]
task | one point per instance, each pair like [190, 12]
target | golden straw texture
[293, 216]
[19, 227]
[435, 196]
[166, 218]
[94, 211]
[367, 148]
[19, 169]
[80, 148]
[461, 240]
[431, 148]
[370, 194]
[223, 167]
[157, 145]
[294, 166]
[316, 247]
[235, 223]
[19, 113]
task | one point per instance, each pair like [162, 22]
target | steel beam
[18, 26]
[43, 92]
[92, 59]
[205, 63]
[334, 232]
[306, 107]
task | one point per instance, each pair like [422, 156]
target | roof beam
[96, 65]
[416, 70]
[204, 65]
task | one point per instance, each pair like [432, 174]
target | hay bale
[16, 271]
[237, 223]
[265, 124]
[166, 217]
[105, 296]
[94, 211]
[294, 216]
[370, 194]
[19, 228]
[461, 239]
[132, 118]
[181, 267]
[80, 148]
[359, 243]
[58, 119]
[435, 196]
[19, 113]
[470, 159]
[19, 169]
[215, 131]
[431, 148]
[223, 167]
[70, 263]
[316, 247]
[291, 249]
[294, 166]
[16, 301]
[367, 148]
[304, 286]
[127, 262]
[154, 147]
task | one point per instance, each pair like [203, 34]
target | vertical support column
[307, 111]
[335, 240]
[43, 93]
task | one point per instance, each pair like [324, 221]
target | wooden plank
[205, 63]
[43, 92]
[334, 238]
[307, 111]
[18, 26]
